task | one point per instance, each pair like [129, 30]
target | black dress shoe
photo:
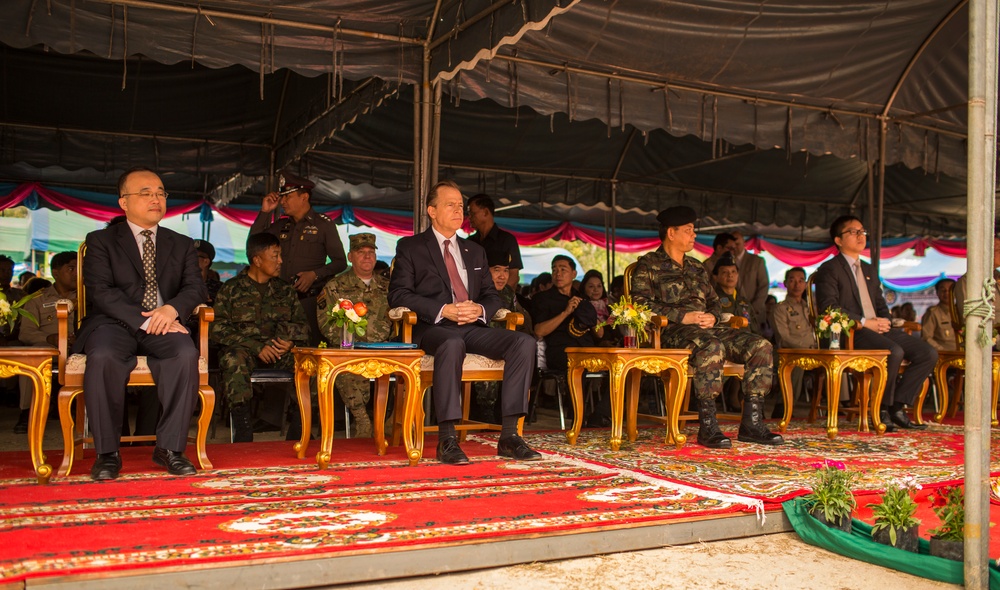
[176, 463]
[884, 418]
[450, 453]
[899, 418]
[106, 466]
[515, 448]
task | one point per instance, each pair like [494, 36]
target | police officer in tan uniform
[307, 239]
[792, 325]
[937, 329]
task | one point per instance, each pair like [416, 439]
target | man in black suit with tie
[837, 285]
[446, 280]
[142, 281]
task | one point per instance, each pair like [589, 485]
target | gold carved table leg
[632, 381]
[413, 418]
[877, 392]
[941, 379]
[617, 392]
[675, 383]
[381, 399]
[305, 367]
[834, 375]
[42, 388]
[785, 378]
[325, 378]
[575, 382]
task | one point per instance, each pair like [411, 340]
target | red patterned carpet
[281, 508]
[776, 474]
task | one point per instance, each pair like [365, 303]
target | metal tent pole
[981, 182]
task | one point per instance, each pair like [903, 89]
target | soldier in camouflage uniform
[359, 283]
[258, 320]
[676, 286]
[730, 300]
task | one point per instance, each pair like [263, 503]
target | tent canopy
[764, 116]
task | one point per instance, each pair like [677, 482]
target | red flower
[346, 304]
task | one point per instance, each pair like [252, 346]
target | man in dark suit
[142, 280]
[837, 285]
[447, 282]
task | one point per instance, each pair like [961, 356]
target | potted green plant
[831, 500]
[894, 522]
[948, 539]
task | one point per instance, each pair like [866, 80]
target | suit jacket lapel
[850, 275]
[434, 251]
[126, 241]
[473, 285]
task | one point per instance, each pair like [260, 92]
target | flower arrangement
[9, 313]
[348, 314]
[831, 493]
[630, 314]
[949, 506]
[833, 321]
[897, 508]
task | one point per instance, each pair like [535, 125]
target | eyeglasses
[855, 232]
[149, 194]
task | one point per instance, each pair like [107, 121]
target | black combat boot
[709, 434]
[752, 428]
[241, 423]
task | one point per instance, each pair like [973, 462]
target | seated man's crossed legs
[901, 389]
[449, 345]
[710, 349]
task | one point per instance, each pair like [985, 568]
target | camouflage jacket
[347, 285]
[250, 314]
[672, 290]
[738, 305]
[510, 302]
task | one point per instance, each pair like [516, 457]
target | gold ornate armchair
[72, 367]
[474, 368]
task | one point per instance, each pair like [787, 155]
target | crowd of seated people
[264, 311]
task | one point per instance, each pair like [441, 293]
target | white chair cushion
[473, 362]
[76, 364]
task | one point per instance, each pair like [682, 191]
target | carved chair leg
[204, 421]
[70, 443]
[397, 413]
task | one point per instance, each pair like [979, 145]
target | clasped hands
[274, 349]
[163, 320]
[878, 325]
[699, 318]
[463, 312]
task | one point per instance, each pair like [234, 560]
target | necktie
[866, 298]
[457, 286]
[149, 269]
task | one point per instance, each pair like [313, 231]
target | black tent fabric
[763, 115]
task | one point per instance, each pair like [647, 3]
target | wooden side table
[327, 363]
[34, 362]
[870, 363]
[627, 365]
[956, 360]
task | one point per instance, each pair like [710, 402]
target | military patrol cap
[205, 248]
[724, 261]
[289, 183]
[364, 240]
[496, 258]
[677, 216]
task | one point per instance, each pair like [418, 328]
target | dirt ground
[778, 561]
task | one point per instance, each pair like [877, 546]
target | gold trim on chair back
[629, 270]
[811, 299]
[957, 324]
[81, 291]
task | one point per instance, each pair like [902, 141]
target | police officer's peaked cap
[289, 183]
[205, 248]
[677, 216]
[497, 258]
[364, 240]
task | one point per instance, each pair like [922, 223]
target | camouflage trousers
[237, 362]
[355, 390]
[711, 348]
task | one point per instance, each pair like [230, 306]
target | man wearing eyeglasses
[142, 280]
[837, 285]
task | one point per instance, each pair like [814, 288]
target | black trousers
[900, 345]
[111, 355]
[449, 343]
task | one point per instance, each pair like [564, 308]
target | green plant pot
[906, 539]
[954, 550]
[843, 524]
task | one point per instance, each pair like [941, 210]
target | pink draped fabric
[17, 195]
[797, 257]
[397, 225]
